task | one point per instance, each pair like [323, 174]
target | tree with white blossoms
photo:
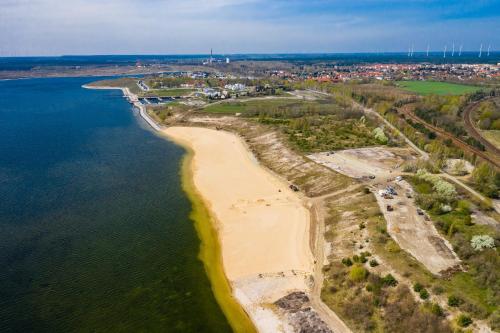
[480, 242]
[446, 191]
[379, 135]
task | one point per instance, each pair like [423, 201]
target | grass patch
[162, 113]
[168, 92]
[493, 137]
[437, 88]
[124, 82]
[250, 106]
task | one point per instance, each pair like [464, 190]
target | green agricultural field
[438, 88]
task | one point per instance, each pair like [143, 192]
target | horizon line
[245, 54]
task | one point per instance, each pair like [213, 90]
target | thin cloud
[47, 27]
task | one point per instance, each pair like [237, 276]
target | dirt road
[317, 209]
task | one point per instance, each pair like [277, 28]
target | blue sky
[55, 27]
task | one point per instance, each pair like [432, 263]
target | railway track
[461, 144]
[474, 131]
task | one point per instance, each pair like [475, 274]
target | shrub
[366, 190]
[463, 320]
[373, 263]
[438, 290]
[379, 135]
[463, 207]
[495, 321]
[480, 242]
[485, 179]
[347, 262]
[362, 226]
[437, 310]
[389, 280]
[424, 294]
[403, 314]
[357, 273]
[454, 301]
[444, 190]
[417, 287]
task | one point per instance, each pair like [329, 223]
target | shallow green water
[94, 227]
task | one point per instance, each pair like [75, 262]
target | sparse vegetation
[475, 290]
[311, 126]
[464, 320]
[488, 116]
[486, 180]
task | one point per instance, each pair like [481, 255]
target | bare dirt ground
[415, 233]
[409, 229]
[364, 162]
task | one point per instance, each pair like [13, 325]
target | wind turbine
[480, 50]
[489, 46]
[412, 50]
[427, 50]
[409, 50]
[460, 50]
[453, 50]
[444, 53]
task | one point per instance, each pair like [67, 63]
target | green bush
[357, 273]
[424, 294]
[389, 280]
[437, 310]
[454, 301]
[373, 263]
[347, 262]
[417, 287]
[463, 320]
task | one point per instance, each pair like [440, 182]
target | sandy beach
[263, 226]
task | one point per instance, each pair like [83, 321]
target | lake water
[94, 227]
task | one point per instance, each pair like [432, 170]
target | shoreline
[210, 247]
[249, 270]
[263, 226]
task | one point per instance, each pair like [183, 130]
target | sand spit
[263, 226]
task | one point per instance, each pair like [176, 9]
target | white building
[235, 87]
